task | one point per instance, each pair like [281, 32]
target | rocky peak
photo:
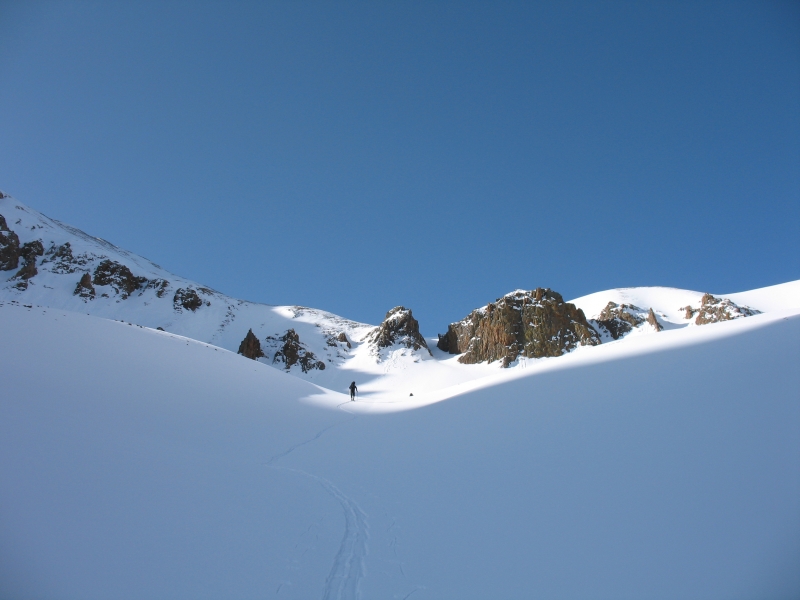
[713, 310]
[398, 328]
[250, 346]
[3, 224]
[532, 324]
[292, 352]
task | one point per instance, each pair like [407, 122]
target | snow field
[136, 463]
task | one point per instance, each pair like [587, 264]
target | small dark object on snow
[353, 390]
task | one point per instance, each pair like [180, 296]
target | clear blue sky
[357, 156]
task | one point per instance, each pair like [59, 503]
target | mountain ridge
[82, 273]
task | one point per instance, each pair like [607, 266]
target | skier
[353, 390]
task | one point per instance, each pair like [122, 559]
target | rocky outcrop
[532, 324]
[118, 276]
[187, 298]
[333, 340]
[3, 224]
[653, 321]
[398, 328]
[159, 285]
[9, 249]
[28, 254]
[27, 271]
[85, 289]
[620, 319]
[30, 250]
[250, 346]
[292, 352]
[342, 337]
[713, 310]
[62, 259]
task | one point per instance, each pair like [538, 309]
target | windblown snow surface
[137, 463]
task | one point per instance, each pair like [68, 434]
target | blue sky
[357, 156]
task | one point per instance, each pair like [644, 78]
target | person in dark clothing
[353, 390]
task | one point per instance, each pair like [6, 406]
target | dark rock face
[713, 310]
[159, 285]
[3, 224]
[532, 324]
[342, 337]
[63, 261]
[118, 276]
[28, 253]
[9, 250]
[399, 327]
[292, 352]
[651, 319]
[250, 346]
[186, 298]
[85, 289]
[619, 319]
[30, 250]
[27, 271]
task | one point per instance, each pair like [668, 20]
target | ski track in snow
[348, 566]
[296, 446]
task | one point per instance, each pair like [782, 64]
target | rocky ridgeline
[399, 328]
[111, 277]
[713, 310]
[532, 324]
[620, 319]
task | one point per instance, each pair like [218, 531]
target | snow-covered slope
[219, 319]
[141, 464]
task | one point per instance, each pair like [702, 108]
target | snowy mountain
[47, 263]
[81, 273]
[662, 462]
